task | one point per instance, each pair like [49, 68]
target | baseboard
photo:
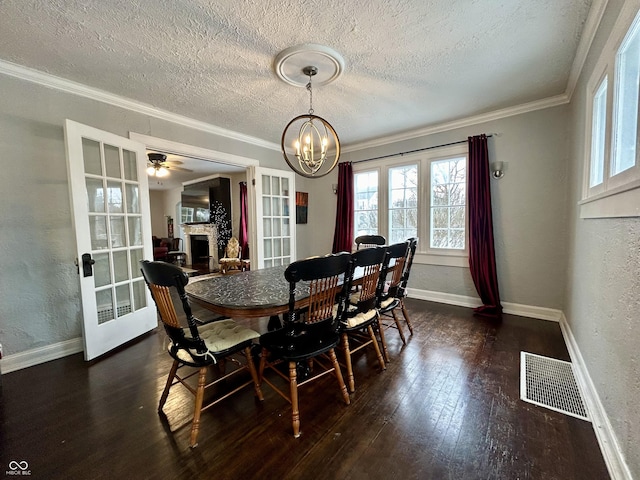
[441, 297]
[529, 311]
[611, 452]
[35, 356]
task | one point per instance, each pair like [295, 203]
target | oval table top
[250, 294]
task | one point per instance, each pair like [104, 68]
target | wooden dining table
[249, 294]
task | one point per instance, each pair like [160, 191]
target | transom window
[424, 195]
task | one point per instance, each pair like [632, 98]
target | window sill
[448, 260]
[620, 202]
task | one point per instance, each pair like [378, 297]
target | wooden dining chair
[402, 290]
[360, 320]
[197, 347]
[389, 299]
[306, 343]
[368, 241]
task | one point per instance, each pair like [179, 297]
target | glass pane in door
[115, 225]
[130, 165]
[112, 161]
[91, 157]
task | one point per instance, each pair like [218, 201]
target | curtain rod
[419, 150]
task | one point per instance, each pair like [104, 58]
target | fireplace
[199, 251]
[203, 232]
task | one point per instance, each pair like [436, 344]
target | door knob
[87, 265]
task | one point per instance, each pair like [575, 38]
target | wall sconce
[497, 170]
[334, 187]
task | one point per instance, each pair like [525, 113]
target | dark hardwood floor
[447, 407]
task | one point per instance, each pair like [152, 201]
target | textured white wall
[603, 286]
[529, 208]
[39, 288]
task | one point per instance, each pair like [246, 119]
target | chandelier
[309, 143]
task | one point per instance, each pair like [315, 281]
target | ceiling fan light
[162, 172]
[151, 171]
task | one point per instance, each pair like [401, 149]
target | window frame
[424, 253]
[618, 195]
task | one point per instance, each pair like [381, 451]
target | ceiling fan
[159, 166]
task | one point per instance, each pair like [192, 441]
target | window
[366, 203]
[626, 102]
[448, 194]
[186, 215]
[403, 203]
[598, 133]
[425, 196]
[202, 214]
[612, 166]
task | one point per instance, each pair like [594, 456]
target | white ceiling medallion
[289, 64]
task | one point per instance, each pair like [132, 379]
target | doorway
[206, 164]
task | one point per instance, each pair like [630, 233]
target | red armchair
[160, 248]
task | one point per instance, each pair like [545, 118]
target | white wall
[39, 287]
[529, 208]
[603, 285]
[158, 218]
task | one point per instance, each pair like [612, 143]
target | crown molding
[586, 39]
[74, 88]
[464, 122]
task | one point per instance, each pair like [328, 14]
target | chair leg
[406, 316]
[347, 358]
[165, 392]
[336, 366]
[397, 320]
[195, 425]
[383, 341]
[263, 364]
[254, 374]
[374, 340]
[295, 412]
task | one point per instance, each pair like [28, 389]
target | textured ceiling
[409, 63]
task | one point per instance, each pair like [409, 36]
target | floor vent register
[551, 383]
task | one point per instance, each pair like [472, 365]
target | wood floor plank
[446, 407]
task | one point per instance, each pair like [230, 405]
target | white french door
[112, 222]
[273, 207]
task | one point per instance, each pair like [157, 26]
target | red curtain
[343, 233]
[244, 218]
[482, 255]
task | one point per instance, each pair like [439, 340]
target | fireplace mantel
[208, 229]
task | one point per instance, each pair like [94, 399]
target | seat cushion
[388, 303]
[361, 317]
[225, 334]
[229, 260]
[217, 336]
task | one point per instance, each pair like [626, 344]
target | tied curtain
[244, 218]
[343, 233]
[482, 256]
